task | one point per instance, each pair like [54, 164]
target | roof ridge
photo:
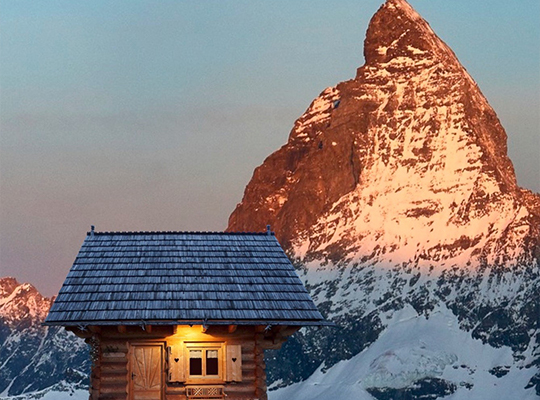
[265, 233]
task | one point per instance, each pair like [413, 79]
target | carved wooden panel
[176, 363]
[146, 372]
[205, 392]
[233, 363]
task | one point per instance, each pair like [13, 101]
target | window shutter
[234, 363]
[176, 363]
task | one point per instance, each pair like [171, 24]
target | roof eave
[193, 322]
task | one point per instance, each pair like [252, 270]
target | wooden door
[146, 372]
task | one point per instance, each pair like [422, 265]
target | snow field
[412, 348]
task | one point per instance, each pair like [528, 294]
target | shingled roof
[171, 278]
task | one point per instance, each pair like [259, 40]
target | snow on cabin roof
[170, 278]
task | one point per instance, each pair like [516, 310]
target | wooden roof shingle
[133, 278]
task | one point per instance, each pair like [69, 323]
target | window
[201, 363]
[205, 361]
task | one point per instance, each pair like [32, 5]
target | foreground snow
[59, 391]
[52, 395]
[412, 348]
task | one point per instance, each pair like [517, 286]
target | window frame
[204, 347]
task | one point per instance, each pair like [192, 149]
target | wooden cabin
[181, 315]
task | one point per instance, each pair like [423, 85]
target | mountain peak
[398, 30]
[407, 163]
[7, 285]
[21, 303]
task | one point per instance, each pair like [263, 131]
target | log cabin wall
[111, 372]
[260, 368]
[243, 336]
[110, 375]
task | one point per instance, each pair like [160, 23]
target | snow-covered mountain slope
[422, 351]
[33, 357]
[394, 191]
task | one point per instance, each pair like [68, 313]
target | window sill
[204, 381]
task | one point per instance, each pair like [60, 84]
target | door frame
[131, 347]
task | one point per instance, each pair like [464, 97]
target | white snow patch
[319, 110]
[412, 348]
[77, 394]
[414, 50]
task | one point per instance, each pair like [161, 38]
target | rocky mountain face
[408, 151]
[33, 357]
[394, 193]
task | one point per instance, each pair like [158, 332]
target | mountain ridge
[35, 357]
[394, 192]
[22, 303]
[410, 107]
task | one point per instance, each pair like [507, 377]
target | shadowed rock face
[408, 152]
